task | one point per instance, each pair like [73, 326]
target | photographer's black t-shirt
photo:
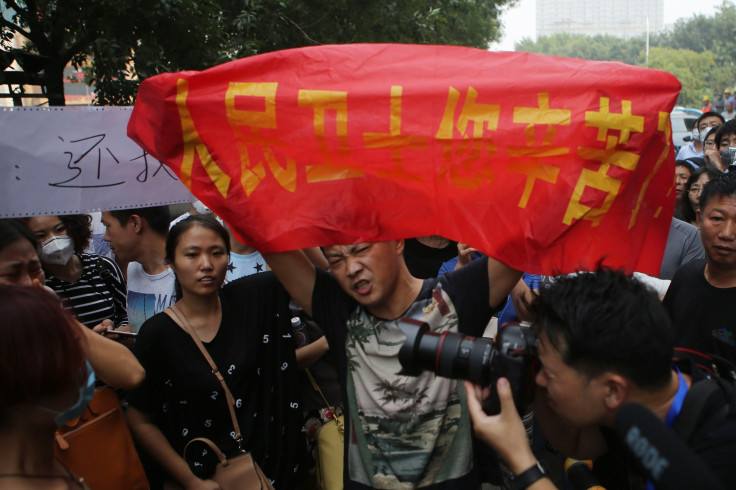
[702, 315]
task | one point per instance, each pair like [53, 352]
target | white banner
[69, 160]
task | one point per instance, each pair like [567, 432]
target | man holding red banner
[400, 429]
[367, 144]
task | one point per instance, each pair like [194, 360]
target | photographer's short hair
[723, 185]
[608, 321]
[158, 217]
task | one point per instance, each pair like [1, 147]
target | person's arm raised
[296, 273]
[501, 279]
[317, 257]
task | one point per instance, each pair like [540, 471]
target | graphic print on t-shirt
[406, 430]
[142, 306]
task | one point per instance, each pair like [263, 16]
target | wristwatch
[527, 477]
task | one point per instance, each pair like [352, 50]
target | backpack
[705, 384]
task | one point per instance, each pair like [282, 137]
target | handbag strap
[327, 404]
[178, 316]
[216, 450]
[317, 389]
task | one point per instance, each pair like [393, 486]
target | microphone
[580, 474]
[666, 460]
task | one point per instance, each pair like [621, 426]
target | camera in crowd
[512, 355]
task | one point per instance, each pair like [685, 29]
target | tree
[691, 69]
[700, 52]
[157, 33]
[125, 42]
[701, 33]
[601, 48]
[162, 35]
[57, 34]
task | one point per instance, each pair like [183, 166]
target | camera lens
[447, 354]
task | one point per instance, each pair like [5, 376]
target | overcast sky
[520, 21]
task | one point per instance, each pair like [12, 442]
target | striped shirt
[97, 295]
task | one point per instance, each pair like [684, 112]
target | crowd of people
[724, 104]
[136, 322]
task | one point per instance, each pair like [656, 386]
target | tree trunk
[55, 83]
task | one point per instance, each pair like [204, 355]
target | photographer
[606, 341]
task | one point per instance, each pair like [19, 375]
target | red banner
[548, 164]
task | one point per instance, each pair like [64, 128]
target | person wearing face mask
[702, 124]
[21, 267]
[91, 286]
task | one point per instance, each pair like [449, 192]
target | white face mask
[57, 250]
[201, 208]
[703, 135]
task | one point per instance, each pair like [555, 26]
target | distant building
[620, 18]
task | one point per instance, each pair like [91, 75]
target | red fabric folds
[548, 164]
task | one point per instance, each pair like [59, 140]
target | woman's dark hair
[688, 213]
[79, 229]
[12, 230]
[40, 348]
[175, 233]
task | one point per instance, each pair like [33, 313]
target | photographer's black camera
[512, 355]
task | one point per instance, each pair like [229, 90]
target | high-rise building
[620, 18]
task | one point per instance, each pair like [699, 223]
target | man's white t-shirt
[148, 294]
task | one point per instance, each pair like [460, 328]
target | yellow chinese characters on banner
[352, 151]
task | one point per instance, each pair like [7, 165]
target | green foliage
[601, 48]
[699, 51]
[258, 26]
[689, 67]
[127, 41]
[146, 37]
